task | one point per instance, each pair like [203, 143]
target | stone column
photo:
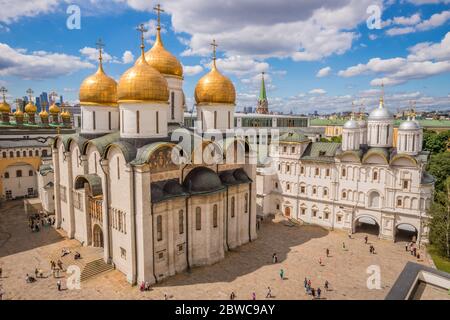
[71, 231]
[57, 191]
[105, 210]
[170, 238]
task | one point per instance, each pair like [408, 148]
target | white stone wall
[19, 185]
[380, 133]
[176, 108]
[220, 117]
[153, 119]
[96, 119]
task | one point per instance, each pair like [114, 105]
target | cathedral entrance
[97, 236]
[405, 232]
[287, 212]
[366, 224]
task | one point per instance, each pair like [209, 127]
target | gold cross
[100, 45]
[214, 45]
[30, 93]
[158, 12]
[142, 30]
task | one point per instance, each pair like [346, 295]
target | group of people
[145, 286]
[412, 248]
[315, 293]
[36, 221]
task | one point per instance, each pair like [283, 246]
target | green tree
[439, 167]
[440, 221]
[336, 139]
[435, 142]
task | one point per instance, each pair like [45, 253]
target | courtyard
[245, 270]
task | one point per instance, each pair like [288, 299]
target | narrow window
[405, 184]
[232, 207]
[11, 154]
[157, 122]
[172, 104]
[246, 203]
[159, 228]
[36, 153]
[30, 153]
[18, 154]
[19, 173]
[215, 119]
[325, 192]
[229, 120]
[317, 172]
[302, 170]
[30, 173]
[109, 120]
[198, 218]
[44, 153]
[24, 153]
[93, 120]
[6, 175]
[327, 172]
[122, 122]
[344, 195]
[399, 202]
[375, 176]
[215, 216]
[137, 121]
[118, 168]
[343, 172]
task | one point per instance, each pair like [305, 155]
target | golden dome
[98, 89]
[5, 107]
[142, 83]
[30, 108]
[18, 112]
[54, 109]
[214, 88]
[43, 113]
[65, 114]
[162, 60]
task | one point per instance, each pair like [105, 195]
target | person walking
[320, 261]
[328, 252]
[406, 247]
[313, 293]
[58, 285]
[253, 295]
[232, 295]
[305, 282]
[343, 245]
[326, 285]
[281, 274]
[269, 293]
[366, 239]
[318, 293]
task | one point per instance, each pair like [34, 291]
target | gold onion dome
[18, 112]
[30, 107]
[142, 83]
[5, 107]
[65, 114]
[98, 89]
[162, 60]
[43, 113]
[54, 109]
[214, 88]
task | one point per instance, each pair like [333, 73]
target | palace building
[117, 184]
[365, 180]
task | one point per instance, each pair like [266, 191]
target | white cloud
[435, 20]
[192, 70]
[92, 55]
[317, 91]
[323, 72]
[12, 10]
[38, 64]
[414, 23]
[241, 66]
[431, 51]
[400, 31]
[127, 57]
[407, 21]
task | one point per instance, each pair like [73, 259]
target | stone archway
[405, 232]
[97, 236]
[366, 224]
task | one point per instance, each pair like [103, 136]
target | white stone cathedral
[117, 186]
[338, 186]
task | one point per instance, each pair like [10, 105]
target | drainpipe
[249, 212]
[133, 216]
[187, 234]
[226, 224]
[153, 244]
[106, 213]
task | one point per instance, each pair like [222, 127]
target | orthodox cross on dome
[100, 45]
[30, 94]
[141, 28]
[382, 95]
[3, 90]
[53, 96]
[214, 46]
[158, 13]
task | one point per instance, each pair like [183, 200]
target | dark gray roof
[427, 178]
[167, 189]
[234, 177]
[94, 181]
[128, 150]
[202, 180]
[321, 151]
[45, 169]
[4, 144]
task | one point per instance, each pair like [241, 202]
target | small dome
[380, 113]
[202, 180]
[98, 89]
[409, 125]
[18, 113]
[43, 114]
[30, 108]
[54, 109]
[215, 88]
[65, 114]
[173, 187]
[241, 175]
[162, 60]
[351, 124]
[142, 83]
[5, 107]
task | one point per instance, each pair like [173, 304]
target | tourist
[328, 252]
[318, 293]
[309, 283]
[305, 282]
[1, 272]
[281, 274]
[343, 245]
[366, 238]
[326, 285]
[320, 261]
[406, 247]
[36, 272]
[60, 264]
[29, 279]
[269, 293]
[415, 251]
[350, 234]
[142, 286]
[313, 293]
[232, 295]
[274, 258]
[58, 285]
[166, 297]
[77, 255]
[418, 256]
[253, 295]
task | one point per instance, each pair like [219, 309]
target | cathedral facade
[363, 179]
[118, 185]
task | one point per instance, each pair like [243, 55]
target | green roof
[339, 122]
[321, 151]
[262, 91]
[94, 181]
[293, 136]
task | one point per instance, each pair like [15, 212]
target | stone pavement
[244, 270]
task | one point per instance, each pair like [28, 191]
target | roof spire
[141, 28]
[158, 10]
[262, 92]
[3, 90]
[100, 45]
[214, 45]
[382, 95]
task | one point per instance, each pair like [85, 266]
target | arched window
[180, 222]
[6, 175]
[374, 199]
[24, 153]
[44, 153]
[198, 218]
[302, 170]
[36, 153]
[325, 192]
[30, 173]
[375, 175]
[18, 173]
[232, 207]
[317, 171]
[159, 234]
[215, 214]
[288, 186]
[4, 154]
[11, 154]
[30, 153]
[314, 190]
[18, 154]
[399, 202]
[344, 172]
[344, 195]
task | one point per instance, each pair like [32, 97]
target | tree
[439, 167]
[435, 142]
[440, 221]
[336, 139]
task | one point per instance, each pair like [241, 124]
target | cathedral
[117, 184]
[363, 180]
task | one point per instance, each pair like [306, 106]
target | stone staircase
[94, 268]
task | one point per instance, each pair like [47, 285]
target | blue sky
[290, 40]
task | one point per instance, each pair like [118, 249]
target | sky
[317, 55]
